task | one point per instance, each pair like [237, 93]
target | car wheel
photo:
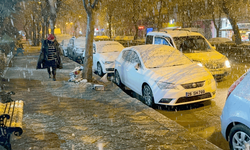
[118, 79]
[82, 61]
[239, 136]
[73, 57]
[148, 95]
[99, 69]
[64, 54]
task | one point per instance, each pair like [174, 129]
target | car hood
[182, 74]
[206, 57]
[111, 56]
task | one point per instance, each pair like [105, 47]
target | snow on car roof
[175, 33]
[158, 33]
[108, 46]
[154, 56]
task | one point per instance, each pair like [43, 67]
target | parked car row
[73, 48]
[176, 68]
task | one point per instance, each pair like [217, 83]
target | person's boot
[54, 78]
[49, 75]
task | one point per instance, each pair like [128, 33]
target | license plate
[194, 93]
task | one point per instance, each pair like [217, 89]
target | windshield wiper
[177, 64]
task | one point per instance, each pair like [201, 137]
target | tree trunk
[208, 33]
[52, 24]
[219, 25]
[110, 31]
[25, 29]
[43, 29]
[136, 32]
[47, 27]
[233, 23]
[88, 60]
[110, 22]
[159, 24]
[34, 33]
[38, 34]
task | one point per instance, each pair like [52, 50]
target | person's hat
[50, 37]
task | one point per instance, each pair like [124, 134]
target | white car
[76, 48]
[104, 55]
[163, 75]
[235, 118]
[196, 47]
[64, 46]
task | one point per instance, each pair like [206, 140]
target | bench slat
[16, 116]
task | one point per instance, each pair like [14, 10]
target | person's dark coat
[43, 57]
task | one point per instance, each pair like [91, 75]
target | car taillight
[234, 85]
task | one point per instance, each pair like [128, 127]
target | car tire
[118, 80]
[237, 132]
[148, 95]
[73, 57]
[82, 61]
[99, 69]
[64, 54]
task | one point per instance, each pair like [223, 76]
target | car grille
[193, 85]
[109, 69]
[214, 65]
[193, 98]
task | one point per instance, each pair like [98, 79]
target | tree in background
[216, 8]
[229, 7]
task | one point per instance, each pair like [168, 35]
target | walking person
[50, 56]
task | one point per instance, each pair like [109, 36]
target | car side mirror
[214, 47]
[137, 66]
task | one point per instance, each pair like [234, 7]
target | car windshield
[80, 44]
[110, 47]
[192, 44]
[164, 57]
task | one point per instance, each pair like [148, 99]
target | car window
[162, 41]
[170, 40]
[134, 57]
[149, 39]
[125, 55]
[191, 44]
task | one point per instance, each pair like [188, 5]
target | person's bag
[40, 61]
[59, 63]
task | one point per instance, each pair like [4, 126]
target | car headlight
[227, 64]
[109, 62]
[199, 64]
[166, 85]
